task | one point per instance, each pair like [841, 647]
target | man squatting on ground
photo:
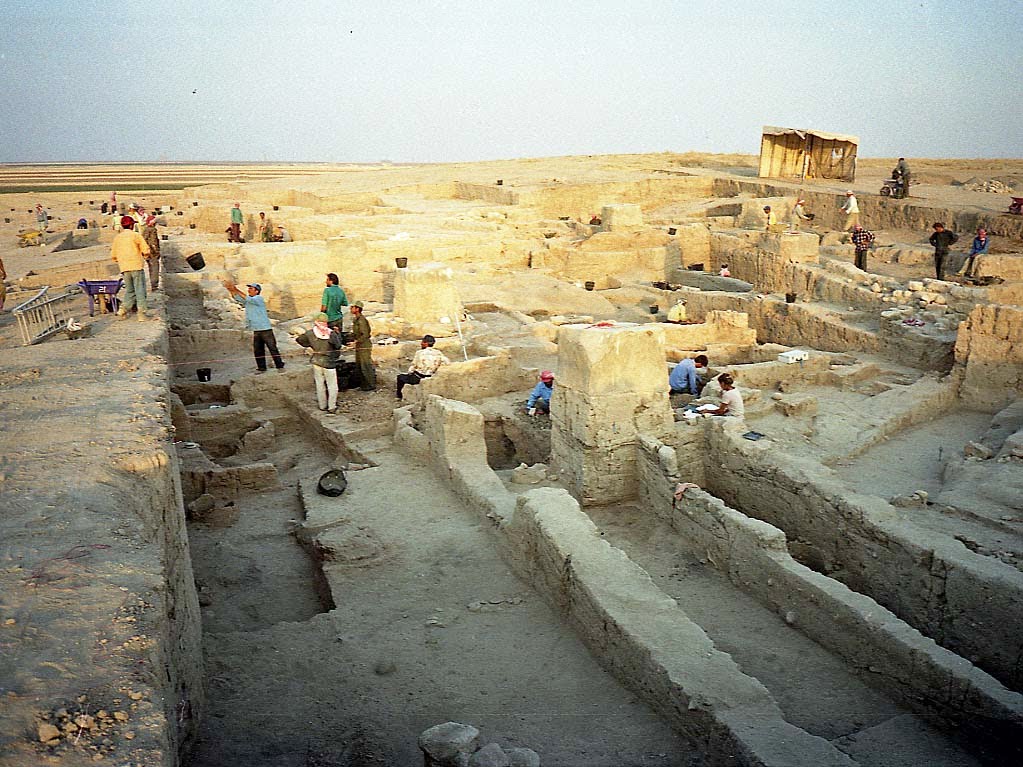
[942, 240]
[333, 301]
[363, 344]
[731, 400]
[424, 364]
[258, 321]
[686, 378]
[540, 398]
[129, 250]
[325, 343]
[861, 240]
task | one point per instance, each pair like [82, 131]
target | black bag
[348, 375]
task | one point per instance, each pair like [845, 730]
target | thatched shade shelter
[792, 153]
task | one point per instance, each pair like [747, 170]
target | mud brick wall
[755, 557]
[989, 357]
[611, 386]
[641, 636]
[966, 602]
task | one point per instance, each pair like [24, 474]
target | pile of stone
[976, 184]
[458, 745]
[927, 303]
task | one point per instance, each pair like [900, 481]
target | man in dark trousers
[363, 344]
[902, 168]
[258, 321]
[861, 240]
[942, 240]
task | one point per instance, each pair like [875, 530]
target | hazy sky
[444, 81]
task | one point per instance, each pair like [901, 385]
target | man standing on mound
[129, 250]
[363, 344]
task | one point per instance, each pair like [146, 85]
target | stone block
[803, 248]
[796, 404]
[449, 744]
[491, 755]
[613, 419]
[604, 361]
[426, 294]
[622, 216]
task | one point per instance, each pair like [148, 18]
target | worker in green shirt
[234, 232]
[332, 302]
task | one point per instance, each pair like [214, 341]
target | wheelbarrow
[32, 237]
[107, 288]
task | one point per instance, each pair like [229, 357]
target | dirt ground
[297, 678]
[401, 650]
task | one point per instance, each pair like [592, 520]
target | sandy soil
[292, 685]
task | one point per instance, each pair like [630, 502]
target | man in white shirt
[731, 400]
[424, 364]
[851, 208]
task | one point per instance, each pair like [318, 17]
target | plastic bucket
[790, 298]
[654, 308]
[672, 230]
[500, 182]
[277, 207]
[204, 374]
[401, 263]
[195, 205]
[196, 261]
[332, 483]
[164, 237]
[191, 226]
[590, 285]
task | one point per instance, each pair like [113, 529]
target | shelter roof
[771, 130]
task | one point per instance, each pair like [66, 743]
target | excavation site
[402, 465]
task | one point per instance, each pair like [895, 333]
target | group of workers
[265, 230]
[863, 240]
[689, 376]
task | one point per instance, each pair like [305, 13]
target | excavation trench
[337, 629]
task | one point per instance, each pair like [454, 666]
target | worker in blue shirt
[540, 398]
[979, 248]
[258, 321]
[685, 377]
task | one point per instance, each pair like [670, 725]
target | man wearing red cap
[129, 250]
[540, 398]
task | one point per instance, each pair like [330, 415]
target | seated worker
[677, 313]
[724, 271]
[594, 220]
[731, 400]
[424, 364]
[980, 245]
[685, 377]
[82, 224]
[540, 397]
[282, 235]
[772, 218]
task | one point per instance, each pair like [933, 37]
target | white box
[793, 355]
